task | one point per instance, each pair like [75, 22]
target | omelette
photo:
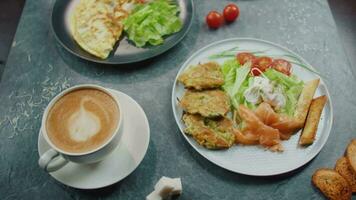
[96, 25]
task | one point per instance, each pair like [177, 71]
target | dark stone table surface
[38, 68]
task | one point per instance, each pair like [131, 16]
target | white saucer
[120, 163]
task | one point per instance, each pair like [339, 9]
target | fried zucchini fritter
[212, 134]
[208, 103]
[202, 76]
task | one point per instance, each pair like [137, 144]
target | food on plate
[244, 57]
[210, 133]
[305, 100]
[253, 126]
[202, 76]
[214, 19]
[344, 169]
[281, 91]
[208, 103]
[149, 23]
[96, 25]
[311, 124]
[268, 103]
[351, 154]
[282, 66]
[332, 184]
[286, 125]
[264, 126]
[231, 12]
[262, 63]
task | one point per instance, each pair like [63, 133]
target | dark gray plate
[124, 51]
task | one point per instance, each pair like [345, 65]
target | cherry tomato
[244, 57]
[214, 19]
[231, 12]
[282, 66]
[263, 63]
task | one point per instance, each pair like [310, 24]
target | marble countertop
[38, 68]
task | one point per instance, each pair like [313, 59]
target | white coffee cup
[56, 158]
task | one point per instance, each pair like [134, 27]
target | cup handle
[52, 161]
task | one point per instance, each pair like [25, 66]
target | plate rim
[303, 162]
[131, 171]
[104, 61]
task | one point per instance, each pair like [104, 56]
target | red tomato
[231, 12]
[244, 57]
[214, 19]
[263, 63]
[282, 66]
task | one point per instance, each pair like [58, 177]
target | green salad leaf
[238, 79]
[291, 86]
[235, 77]
[148, 23]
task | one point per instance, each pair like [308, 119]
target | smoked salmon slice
[286, 125]
[267, 136]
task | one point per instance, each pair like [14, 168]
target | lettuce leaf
[148, 23]
[236, 78]
[291, 86]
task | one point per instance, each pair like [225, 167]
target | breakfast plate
[124, 50]
[251, 159]
[120, 163]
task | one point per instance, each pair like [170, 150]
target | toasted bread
[332, 184]
[311, 125]
[351, 154]
[344, 169]
[305, 100]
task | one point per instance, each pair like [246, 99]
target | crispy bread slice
[332, 184]
[311, 124]
[344, 169]
[305, 100]
[351, 154]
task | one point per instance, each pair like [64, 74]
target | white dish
[254, 160]
[120, 163]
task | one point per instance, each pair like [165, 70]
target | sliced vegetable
[282, 66]
[235, 77]
[287, 81]
[244, 57]
[149, 22]
[262, 63]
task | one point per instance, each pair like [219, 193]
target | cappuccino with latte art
[82, 120]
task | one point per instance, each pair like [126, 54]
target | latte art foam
[82, 120]
[83, 124]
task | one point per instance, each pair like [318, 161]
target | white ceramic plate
[120, 163]
[255, 160]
